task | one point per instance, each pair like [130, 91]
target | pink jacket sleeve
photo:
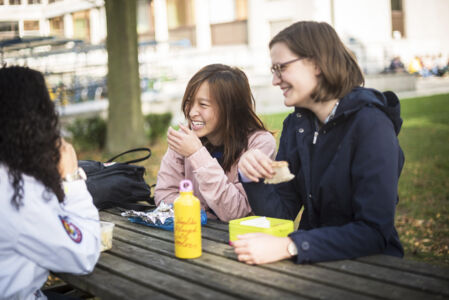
[218, 191]
[223, 193]
[170, 174]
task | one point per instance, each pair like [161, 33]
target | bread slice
[282, 173]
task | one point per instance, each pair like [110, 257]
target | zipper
[315, 137]
[329, 117]
[317, 129]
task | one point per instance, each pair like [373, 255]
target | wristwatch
[79, 174]
[292, 249]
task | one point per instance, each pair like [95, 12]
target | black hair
[29, 131]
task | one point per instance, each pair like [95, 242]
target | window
[228, 22]
[56, 26]
[396, 5]
[180, 13]
[9, 26]
[30, 25]
[145, 18]
[34, 1]
[9, 30]
[81, 27]
[397, 19]
[14, 2]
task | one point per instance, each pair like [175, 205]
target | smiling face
[298, 79]
[203, 115]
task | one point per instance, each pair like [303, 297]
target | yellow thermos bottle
[187, 222]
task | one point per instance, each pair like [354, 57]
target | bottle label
[187, 232]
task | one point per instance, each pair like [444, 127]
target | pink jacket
[217, 191]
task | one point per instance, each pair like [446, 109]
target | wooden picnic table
[142, 265]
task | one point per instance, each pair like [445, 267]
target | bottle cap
[185, 186]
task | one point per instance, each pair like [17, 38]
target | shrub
[88, 133]
[157, 125]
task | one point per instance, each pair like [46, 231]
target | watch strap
[79, 174]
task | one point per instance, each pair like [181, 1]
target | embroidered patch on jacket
[72, 230]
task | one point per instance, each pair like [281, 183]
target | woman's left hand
[184, 142]
[68, 163]
[261, 248]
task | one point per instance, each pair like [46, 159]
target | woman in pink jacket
[222, 124]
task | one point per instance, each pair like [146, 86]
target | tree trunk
[125, 120]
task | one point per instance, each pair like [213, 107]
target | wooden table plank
[222, 264]
[331, 277]
[186, 270]
[167, 284]
[397, 277]
[216, 224]
[408, 265]
[303, 287]
[111, 286]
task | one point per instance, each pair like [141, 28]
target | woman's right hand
[68, 163]
[254, 164]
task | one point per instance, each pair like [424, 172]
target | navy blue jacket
[347, 181]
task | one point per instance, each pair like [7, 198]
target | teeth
[197, 123]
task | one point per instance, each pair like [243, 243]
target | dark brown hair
[29, 135]
[229, 88]
[319, 42]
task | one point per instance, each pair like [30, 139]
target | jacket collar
[360, 97]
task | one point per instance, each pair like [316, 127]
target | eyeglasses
[278, 68]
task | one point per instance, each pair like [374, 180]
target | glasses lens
[276, 69]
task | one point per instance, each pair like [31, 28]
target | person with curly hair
[47, 216]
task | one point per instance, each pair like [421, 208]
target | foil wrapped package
[161, 217]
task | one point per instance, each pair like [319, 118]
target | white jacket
[44, 235]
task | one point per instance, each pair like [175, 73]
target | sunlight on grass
[425, 122]
[423, 211]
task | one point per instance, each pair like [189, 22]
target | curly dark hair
[29, 135]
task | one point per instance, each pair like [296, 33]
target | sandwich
[281, 173]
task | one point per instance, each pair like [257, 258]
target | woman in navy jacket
[341, 144]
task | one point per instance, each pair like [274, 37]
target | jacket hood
[360, 97]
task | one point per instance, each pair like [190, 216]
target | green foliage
[157, 125]
[88, 133]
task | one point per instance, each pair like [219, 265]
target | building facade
[177, 37]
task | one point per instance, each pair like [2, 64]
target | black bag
[114, 184]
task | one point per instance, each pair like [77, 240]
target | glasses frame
[277, 68]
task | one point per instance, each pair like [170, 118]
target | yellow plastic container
[187, 223]
[277, 227]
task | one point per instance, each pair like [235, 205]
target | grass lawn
[422, 217]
